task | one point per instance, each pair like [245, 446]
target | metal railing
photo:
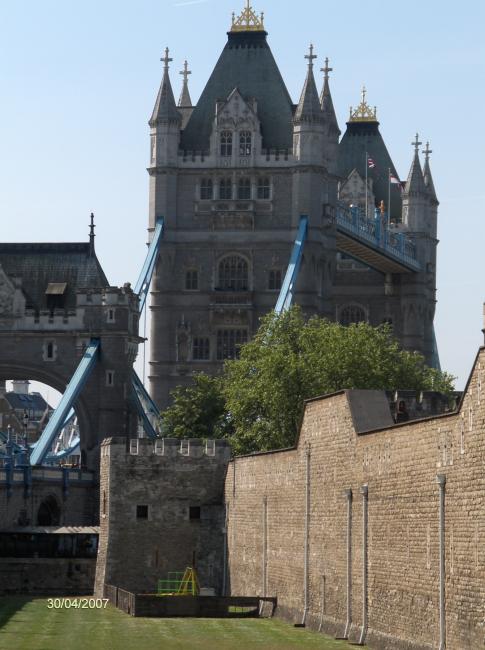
[377, 232]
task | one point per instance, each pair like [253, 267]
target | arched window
[245, 141]
[225, 188]
[352, 314]
[49, 513]
[233, 274]
[244, 189]
[226, 143]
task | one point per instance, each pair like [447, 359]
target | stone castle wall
[178, 490]
[289, 526]
[75, 493]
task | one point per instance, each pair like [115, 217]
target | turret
[309, 128]
[415, 196]
[165, 123]
[332, 130]
[185, 100]
[432, 198]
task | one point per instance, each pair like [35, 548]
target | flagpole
[389, 198]
[366, 192]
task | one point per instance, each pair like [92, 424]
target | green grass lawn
[29, 625]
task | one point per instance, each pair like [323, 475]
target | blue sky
[79, 81]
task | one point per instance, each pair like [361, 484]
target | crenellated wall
[177, 487]
[297, 522]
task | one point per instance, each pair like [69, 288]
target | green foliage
[197, 411]
[258, 403]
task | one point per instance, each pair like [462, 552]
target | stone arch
[49, 512]
[46, 375]
[352, 313]
[233, 272]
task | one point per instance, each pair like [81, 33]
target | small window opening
[194, 513]
[142, 512]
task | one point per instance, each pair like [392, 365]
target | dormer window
[245, 143]
[56, 295]
[226, 143]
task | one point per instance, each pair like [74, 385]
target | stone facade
[231, 176]
[161, 510]
[45, 342]
[372, 533]
[71, 497]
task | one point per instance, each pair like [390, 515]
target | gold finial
[166, 59]
[248, 21]
[363, 112]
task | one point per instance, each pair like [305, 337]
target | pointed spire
[185, 99]
[326, 101]
[165, 110]
[428, 179]
[91, 235]
[309, 109]
[415, 182]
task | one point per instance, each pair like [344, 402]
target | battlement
[194, 448]
[108, 296]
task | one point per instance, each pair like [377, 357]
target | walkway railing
[376, 232]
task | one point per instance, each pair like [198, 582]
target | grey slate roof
[428, 180]
[185, 99]
[31, 401]
[328, 108]
[165, 109]
[359, 138]
[40, 264]
[246, 63]
[309, 108]
[415, 182]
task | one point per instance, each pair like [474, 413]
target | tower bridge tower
[231, 175]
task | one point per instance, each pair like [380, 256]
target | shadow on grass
[10, 605]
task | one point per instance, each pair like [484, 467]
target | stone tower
[231, 175]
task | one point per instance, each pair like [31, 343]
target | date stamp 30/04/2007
[77, 603]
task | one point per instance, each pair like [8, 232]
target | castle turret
[415, 195]
[309, 130]
[185, 100]
[363, 149]
[418, 292]
[330, 117]
[165, 124]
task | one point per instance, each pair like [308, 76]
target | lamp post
[25, 454]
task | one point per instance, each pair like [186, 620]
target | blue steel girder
[143, 283]
[145, 406]
[56, 423]
[286, 294]
[372, 242]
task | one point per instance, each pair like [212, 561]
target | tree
[197, 411]
[258, 402]
[291, 359]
